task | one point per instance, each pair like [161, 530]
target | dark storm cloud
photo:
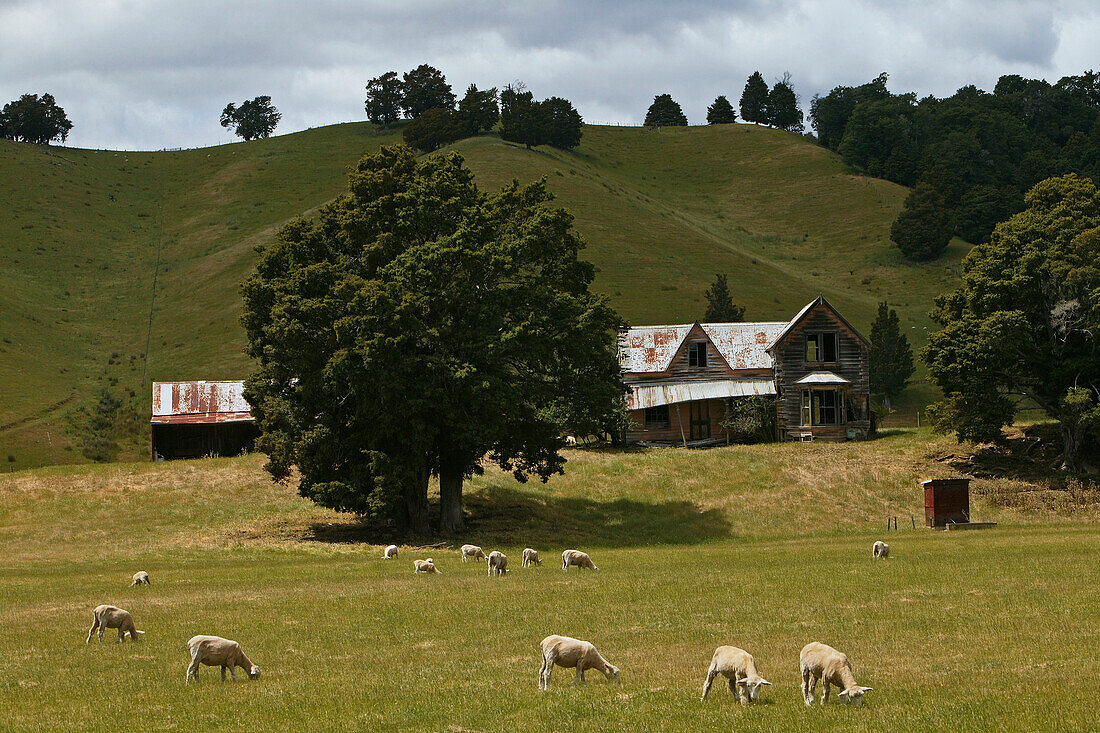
[153, 74]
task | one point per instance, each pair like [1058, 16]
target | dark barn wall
[197, 440]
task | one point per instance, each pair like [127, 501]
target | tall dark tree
[522, 119]
[754, 99]
[829, 114]
[384, 96]
[882, 139]
[420, 326]
[923, 228]
[720, 305]
[782, 110]
[425, 88]
[254, 119]
[434, 129]
[721, 112]
[890, 361]
[34, 119]
[479, 110]
[1025, 324]
[564, 123]
[665, 112]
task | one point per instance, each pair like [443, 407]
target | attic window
[697, 354]
[821, 347]
[656, 418]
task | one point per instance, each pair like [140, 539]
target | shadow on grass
[499, 515]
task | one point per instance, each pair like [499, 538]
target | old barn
[197, 419]
[682, 377]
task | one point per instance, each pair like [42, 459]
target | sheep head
[254, 673]
[611, 671]
[750, 687]
[855, 694]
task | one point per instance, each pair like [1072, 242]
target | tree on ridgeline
[253, 120]
[425, 88]
[890, 361]
[923, 229]
[34, 119]
[1025, 323]
[829, 114]
[721, 112]
[384, 95]
[754, 99]
[563, 123]
[720, 305]
[782, 107]
[418, 326]
[522, 119]
[479, 110]
[665, 112]
[433, 129]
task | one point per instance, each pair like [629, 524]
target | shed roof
[654, 395]
[823, 378]
[199, 402]
[742, 345]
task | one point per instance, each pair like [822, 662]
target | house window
[821, 347]
[697, 354]
[821, 407]
[656, 418]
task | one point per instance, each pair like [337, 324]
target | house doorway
[699, 419]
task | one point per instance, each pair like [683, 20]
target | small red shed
[946, 501]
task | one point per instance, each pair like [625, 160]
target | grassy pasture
[749, 546]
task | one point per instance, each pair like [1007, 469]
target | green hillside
[121, 268]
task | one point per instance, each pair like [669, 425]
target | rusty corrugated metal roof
[742, 345]
[199, 402]
[653, 395]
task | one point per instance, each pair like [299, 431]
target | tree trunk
[416, 503]
[450, 497]
[1072, 435]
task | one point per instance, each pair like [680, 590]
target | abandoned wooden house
[681, 378]
[197, 419]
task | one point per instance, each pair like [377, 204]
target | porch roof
[654, 395]
[825, 379]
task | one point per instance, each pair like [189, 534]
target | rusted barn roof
[742, 345]
[653, 395]
[199, 402]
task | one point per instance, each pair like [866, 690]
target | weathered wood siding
[672, 434]
[791, 365]
[680, 370]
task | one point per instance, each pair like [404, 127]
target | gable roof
[742, 345]
[797, 320]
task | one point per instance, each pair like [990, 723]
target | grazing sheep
[214, 651]
[570, 440]
[390, 553]
[140, 578]
[530, 557]
[566, 651]
[821, 662]
[880, 549]
[425, 566]
[498, 561]
[578, 558]
[472, 551]
[739, 667]
[112, 617]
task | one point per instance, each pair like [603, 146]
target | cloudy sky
[148, 74]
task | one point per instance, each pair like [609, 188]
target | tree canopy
[720, 305]
[434, 129]
[384, 96]
[479, 110]
[1025, 324]
[721, 112]
[782, 107]
[553, 121]
[420, 326]
[253, 120]
[890, 361]
[34, 119]
[563, 123]
[923, 229]
[665, 112]
[425, 88]
[754, 99]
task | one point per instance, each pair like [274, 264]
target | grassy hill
[123, 267]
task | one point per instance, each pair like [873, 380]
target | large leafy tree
[434, 129]
[829, 114]
[420, 326]
[1025, 324]
[563, 122]
[720, 305]
[754, 99]
[254, 119]
[665, 112]
[890, 361]
[783, 111]
[923, 228]
[522, 119]
[425, 88]
[384, 95]
[721, 112]
[479, 110]
[34, 119]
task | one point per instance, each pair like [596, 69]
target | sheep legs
[579, 679]
[711, 674]
[824, 690]
[193, 668]
[544, 672]
[809, 685]
[232, 672]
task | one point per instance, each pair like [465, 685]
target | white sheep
[578, 558]
[880, 549]
[390, 553]
[425, 566]
[473, 551]
[566, 651]
[739, 667]
[821, 662]
[140, 578]
[498, 562]
[214, 651]
[112, 617]
[530, 557]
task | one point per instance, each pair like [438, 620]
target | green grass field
[121, 268]
[764, 547]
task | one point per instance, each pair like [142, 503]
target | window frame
[818, 340]
[697, 354]
[812, 413]
[651, 418]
